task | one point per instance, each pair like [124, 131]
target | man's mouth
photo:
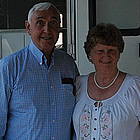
[46, 38]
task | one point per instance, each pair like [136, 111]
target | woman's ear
[89, 57]
[27, 25]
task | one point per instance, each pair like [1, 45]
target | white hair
[40, 7]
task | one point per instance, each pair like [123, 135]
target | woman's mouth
[106, 62]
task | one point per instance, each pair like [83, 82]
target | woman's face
[105, 58]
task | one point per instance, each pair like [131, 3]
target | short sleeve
[81, 86]
[133, 95]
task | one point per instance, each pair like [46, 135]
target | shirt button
[53, 138]
[51, 87]
[52, 103]
[53, 120]
[40, 63]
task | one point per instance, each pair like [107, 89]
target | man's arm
[4, 96]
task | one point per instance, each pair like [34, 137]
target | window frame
[92, 21]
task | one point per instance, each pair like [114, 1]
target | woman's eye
[100, 51]
[112, 51]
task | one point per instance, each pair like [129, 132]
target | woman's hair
[105, 34]
[40, 7]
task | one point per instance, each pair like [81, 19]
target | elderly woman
[107, 100]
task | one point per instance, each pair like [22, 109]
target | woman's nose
[106, 53]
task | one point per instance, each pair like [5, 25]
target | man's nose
[46, 28]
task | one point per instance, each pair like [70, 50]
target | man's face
[44, 29]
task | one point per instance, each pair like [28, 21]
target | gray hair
[40, 7]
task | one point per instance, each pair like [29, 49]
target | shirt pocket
[68, 98]
[68, 89]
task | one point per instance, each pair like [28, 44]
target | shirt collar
[38, 54]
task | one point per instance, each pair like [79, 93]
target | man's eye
[40, 22]
[53, 23]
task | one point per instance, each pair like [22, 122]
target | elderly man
[37, 83]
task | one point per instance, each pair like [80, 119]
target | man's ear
[27, 25]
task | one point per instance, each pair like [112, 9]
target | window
[14, 13]
[123, 13]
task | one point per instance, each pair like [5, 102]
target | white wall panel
[82, 22]
[130, 59]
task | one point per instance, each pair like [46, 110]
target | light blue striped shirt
[34, 104]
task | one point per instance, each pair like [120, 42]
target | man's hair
[40, 7]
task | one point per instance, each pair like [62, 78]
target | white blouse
[116, 118]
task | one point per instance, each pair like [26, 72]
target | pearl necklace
[109, 84]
